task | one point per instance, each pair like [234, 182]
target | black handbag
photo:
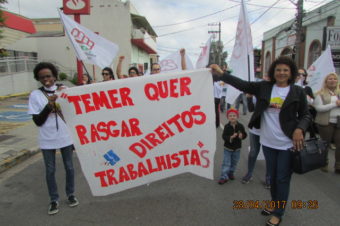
[313, 156]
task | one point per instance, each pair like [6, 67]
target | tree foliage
[2, 19]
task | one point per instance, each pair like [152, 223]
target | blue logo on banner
[111, 157]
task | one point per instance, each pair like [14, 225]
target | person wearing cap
[233, 134]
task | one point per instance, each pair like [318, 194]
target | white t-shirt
[49, 137]
[271, 134]
[217, 89]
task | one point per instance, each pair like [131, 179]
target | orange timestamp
[269, 204]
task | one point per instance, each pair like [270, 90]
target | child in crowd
[233, 134]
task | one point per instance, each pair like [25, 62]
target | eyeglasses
[105, 73]
[45, 76]
[156, 69]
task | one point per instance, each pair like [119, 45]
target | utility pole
[218, 52]
[298, 32]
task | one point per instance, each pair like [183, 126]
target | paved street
[181, 200]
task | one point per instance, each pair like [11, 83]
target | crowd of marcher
[284, 110]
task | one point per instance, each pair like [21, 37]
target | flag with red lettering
[131, 132]
[320, 69]
[203, 59]
[242, 58]
[89, 47]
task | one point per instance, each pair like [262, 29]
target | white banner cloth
[243, 49]
[90, 47]
[172, 62]
[203, 59]
[320, 69]
[135, 131]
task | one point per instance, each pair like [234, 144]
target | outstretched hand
[215, 69]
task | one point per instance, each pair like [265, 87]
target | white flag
[242, 58]
[203, 59]
[320, 69]
[173, 62]
[89, 47]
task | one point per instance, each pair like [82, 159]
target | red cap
[232, 110]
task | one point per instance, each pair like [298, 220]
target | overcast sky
[263, 15]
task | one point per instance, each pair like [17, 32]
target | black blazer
[294, 112]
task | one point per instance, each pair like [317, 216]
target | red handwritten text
[169, 88]
[131, 172]
[169, 128]
[114, 98]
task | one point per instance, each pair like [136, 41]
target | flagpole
[79, 62]
[85, 68]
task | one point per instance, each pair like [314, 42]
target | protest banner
[320, 69]
[89, 47]
[242, 58]
[135, 131]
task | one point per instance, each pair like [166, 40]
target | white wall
[314, 32]
[17, 83]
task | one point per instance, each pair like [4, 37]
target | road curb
[15, 159]
[14, 95]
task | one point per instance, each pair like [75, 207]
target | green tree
[2, 19]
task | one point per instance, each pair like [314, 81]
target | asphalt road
[181, 200]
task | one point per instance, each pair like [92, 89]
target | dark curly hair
[134, 69]
[287, 61]
[110, 72]
[45, 65]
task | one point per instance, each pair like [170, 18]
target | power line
[255, 20]
[183, 22]
[265, 12]
[175, 32]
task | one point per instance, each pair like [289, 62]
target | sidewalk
[18, 134]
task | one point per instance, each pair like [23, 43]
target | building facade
[114, 20]
[320, 27]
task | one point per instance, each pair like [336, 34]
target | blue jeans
[279, 166]
[230, 160]
[49, 160]
[255, 145]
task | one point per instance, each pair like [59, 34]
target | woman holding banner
[53, 132]
[327, 118]
[281, 114]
